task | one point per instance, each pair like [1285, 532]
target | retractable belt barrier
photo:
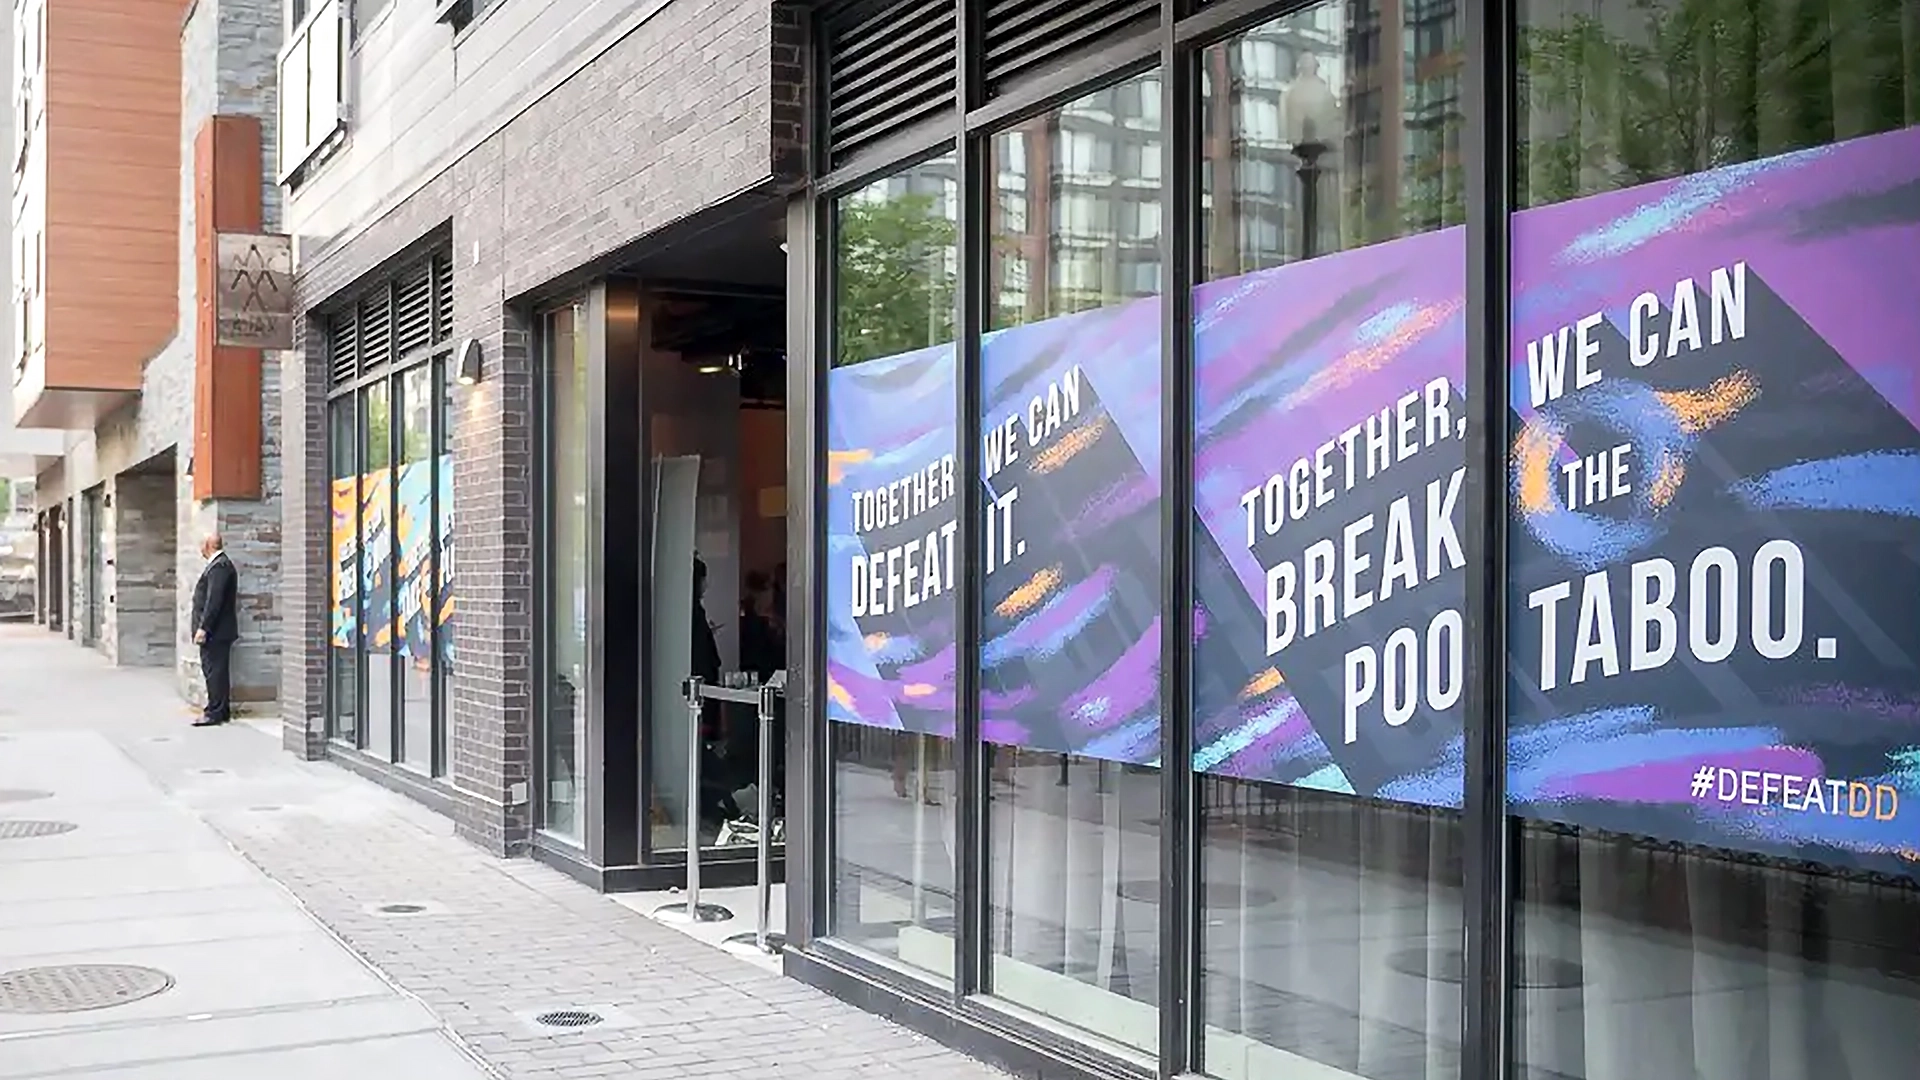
[765, 700]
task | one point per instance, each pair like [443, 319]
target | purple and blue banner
[1714, 570]
[1714, 583]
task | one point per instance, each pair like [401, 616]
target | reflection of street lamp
[1312, 118]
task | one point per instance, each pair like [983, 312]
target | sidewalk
[255, 881]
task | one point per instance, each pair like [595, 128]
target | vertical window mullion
[1486, 886]
[1180, 847]
[970, 939]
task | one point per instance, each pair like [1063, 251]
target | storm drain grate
[23, 794]
[72, 988]
[568, 1018]
[402, 909]
[213, 772]
[24, 829]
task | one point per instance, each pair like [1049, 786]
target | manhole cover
[22, 829]
[1450, 965]
[213, 772]
[161, 738]
[402, 909]
[263, 809]
[78, 987]
[567, 1018]
[23, 794]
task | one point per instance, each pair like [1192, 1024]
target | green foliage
[1656, 89]
[895, 291]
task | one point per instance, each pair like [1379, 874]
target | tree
[1645, 90]
[895, 287]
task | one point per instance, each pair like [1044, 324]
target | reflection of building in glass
[1346, 114]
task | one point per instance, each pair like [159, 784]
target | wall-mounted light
[469, 366]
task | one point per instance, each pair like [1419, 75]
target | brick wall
[674, 117]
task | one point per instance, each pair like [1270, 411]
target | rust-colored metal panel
[106, 196]
[226, 381]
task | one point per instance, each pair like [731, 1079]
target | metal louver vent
[890, 64]
[442, 297]
[376, 329]
[343, 349]
[1022, 35]
[413, 310]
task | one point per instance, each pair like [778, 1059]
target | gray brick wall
[678, 115]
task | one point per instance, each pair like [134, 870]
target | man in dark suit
[216, 625]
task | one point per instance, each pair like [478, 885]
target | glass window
[1329, 584]
[343, 589]
[376, 566]
[1712, 756]
[1070, 667]
[413, 565]
[890, 607]
[443, 557]
[569, 548]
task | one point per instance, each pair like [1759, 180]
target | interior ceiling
[724, 277]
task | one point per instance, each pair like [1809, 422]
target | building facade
[1436, 599]
[144, 129]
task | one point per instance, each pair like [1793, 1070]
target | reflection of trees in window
[895, 277]
[1632, 91]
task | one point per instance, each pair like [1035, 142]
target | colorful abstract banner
[1329, 574]
[403, 556]
[1715, 486]
[1715, 578]
[344, 575]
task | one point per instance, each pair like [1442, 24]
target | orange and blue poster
[344, 544]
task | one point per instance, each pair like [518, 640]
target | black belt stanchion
[762, 939]
[693, 911]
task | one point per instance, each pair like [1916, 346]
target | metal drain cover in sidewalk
[71, 988]
[577, 1017]
[23, 794]
[22, 829]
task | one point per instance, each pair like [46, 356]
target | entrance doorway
[713, 393]
[94, 598]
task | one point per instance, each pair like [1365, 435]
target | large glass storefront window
[1070, 644]
[1706, 468]
[343, 572]
[1329, 355]
[390, 526]
[376, 569]
[568, 551]
[1712, 639]
[413, 564]
[891, 650]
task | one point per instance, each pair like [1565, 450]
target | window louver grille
[890, 64]
[343, 351]
[392, 321]
[413, 310]
[376, 329]
[442, 297]
[1022, 35]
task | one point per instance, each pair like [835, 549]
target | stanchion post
[693, 910]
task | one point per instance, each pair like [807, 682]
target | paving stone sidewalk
[498, 940]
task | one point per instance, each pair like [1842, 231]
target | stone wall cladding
[674, 117]
[145, 577]
[229, 51]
